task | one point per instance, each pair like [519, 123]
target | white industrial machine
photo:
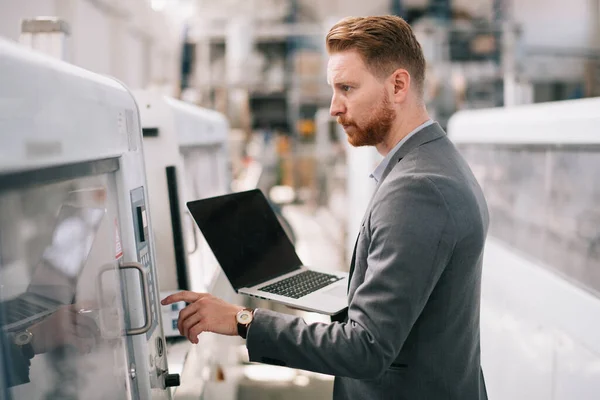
[203, 142]
[78, 290]
[540, 312]
[185, 148]
[186, 159]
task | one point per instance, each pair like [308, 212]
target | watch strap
[27, 350]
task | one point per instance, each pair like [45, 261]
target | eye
[346, 88]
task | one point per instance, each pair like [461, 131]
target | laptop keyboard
[20, 309]
[300, 284]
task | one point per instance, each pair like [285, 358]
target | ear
[401, 85]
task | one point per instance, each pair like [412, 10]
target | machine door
[62, 332]
[205, 176]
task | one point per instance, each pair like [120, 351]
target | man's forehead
[343, 65]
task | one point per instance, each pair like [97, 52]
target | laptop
[54, 279]
[259, 259]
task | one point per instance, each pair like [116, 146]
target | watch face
[244, 317]
[22, 338]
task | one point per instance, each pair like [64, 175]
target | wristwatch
[23, 340]
[244, 319]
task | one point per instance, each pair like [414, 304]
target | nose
[337, 106]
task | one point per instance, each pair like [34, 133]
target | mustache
[344, 121]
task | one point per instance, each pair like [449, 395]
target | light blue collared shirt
[384, 163]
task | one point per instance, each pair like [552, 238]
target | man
[412, 326]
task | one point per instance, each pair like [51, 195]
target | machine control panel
[140, 221]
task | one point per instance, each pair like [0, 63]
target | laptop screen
[245, 237]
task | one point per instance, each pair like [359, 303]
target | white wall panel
[121, 38]
[561, 24]
[13, 11]
[134, 60]
[91, 32]
[554, 22]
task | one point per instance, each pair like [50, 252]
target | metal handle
[194, 233]
[100, 291]
[147, 305]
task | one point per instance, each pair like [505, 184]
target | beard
[374, 130]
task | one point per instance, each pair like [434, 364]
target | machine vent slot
[150, 132]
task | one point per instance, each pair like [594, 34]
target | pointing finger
[187, 296]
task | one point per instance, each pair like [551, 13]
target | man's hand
[66, 326]
[205, 313]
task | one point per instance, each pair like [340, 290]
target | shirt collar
[384, 163]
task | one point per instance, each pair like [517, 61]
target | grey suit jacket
[412, 328]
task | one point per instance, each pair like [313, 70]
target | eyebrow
[345, 83]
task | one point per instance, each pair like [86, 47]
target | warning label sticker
[118, 247]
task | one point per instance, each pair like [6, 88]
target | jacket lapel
[426, 135]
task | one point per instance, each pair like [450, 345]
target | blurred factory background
[257, 71]
[262, 62]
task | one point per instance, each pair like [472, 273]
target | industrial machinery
[203, 143]
[185, 148]
[186, 159]
[538, 166]
[78, 288]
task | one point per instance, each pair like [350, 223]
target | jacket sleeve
[17, 365]
[411, 238]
